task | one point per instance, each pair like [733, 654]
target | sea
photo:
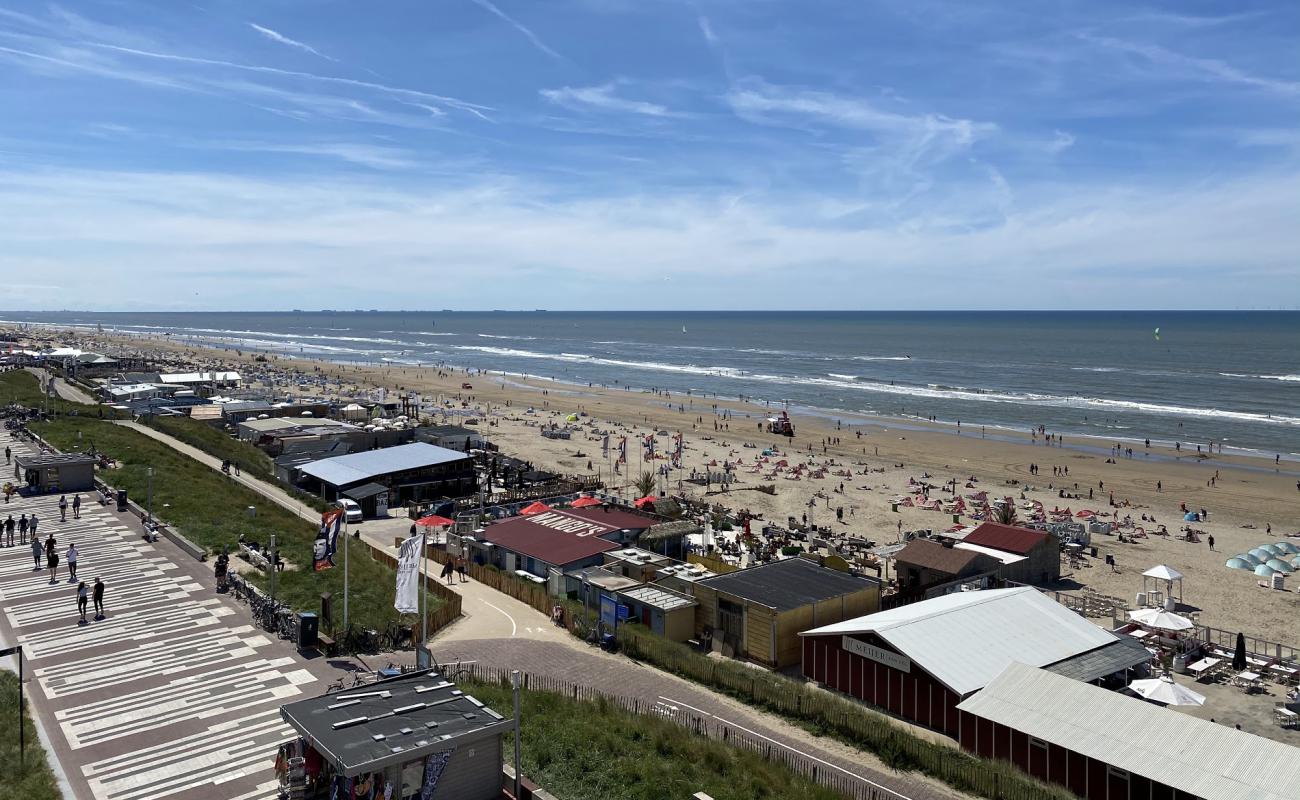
[1192, 377]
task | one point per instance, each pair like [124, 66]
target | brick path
[175, 693]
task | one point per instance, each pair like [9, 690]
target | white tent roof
[1164, 690]
[1159, 618]
[965, 639]
[1193, 755]
[1164, 572]
[356, 467]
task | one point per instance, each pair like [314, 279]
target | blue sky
[649, 154]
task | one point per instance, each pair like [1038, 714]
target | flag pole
[424, 589]
[346, 536]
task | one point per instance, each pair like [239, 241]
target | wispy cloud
[707, 30]
[602, 98]
[365, 155]
[491, 8]
[1210, 70]
[276, 36]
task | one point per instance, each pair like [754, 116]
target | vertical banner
[407, 600]
[433, 767]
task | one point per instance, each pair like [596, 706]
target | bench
[325, 643]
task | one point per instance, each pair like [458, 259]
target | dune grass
[34, 780]
[582, 750]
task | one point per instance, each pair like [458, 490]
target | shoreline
[864, 467]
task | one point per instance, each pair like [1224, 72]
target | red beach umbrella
[434, 521]
[585, 502]
[534, 508]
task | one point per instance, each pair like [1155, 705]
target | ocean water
[1228, 377]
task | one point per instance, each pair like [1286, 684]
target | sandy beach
[1243, 496]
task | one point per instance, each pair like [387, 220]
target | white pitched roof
[1164, 572]
[1193, 755]
[965, 639]
[1000, 555]
[355, 467]
[198, 377]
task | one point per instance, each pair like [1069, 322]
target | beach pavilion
[1171, 577]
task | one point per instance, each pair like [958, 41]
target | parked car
[351, 510]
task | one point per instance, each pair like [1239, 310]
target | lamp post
[149, 495]
[514, 682]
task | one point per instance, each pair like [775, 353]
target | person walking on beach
[63, 508]
[72, 562]
[83, 595]
[38, 554]
[1210, 538]
[98, 596]
[52, 558]
[76, 507]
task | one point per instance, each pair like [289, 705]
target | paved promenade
[175, 693]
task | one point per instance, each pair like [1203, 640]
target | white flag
[408, 571]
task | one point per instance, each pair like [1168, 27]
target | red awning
[535, 508]
[584, 502]
[645, 501]
[434, 521]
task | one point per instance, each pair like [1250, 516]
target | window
[1038, 743]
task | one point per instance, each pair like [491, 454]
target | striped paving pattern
[174, 693]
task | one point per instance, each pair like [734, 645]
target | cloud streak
[602, 98]
[1205, 69]
[276, 36]
[491, 8]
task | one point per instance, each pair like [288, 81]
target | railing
[1254, 644]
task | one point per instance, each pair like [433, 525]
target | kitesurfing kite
[1157, 334]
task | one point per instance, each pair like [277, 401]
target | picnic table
[1247, 680]
[1202, 668]
[1139, 634]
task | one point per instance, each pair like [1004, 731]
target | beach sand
[1247, 491]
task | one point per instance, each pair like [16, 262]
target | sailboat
[683, 329]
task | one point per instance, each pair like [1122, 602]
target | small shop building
[1103, 745]
[412, 473]
[56, 472]
[1037, 554]
[663, 611]
[920, 661]
[927, 568]
[522, 544]
[412, 736]
[758, 612]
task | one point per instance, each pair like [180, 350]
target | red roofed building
[1041, 551]
[561, 539]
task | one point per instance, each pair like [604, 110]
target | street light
[149, 496]
[514, 682]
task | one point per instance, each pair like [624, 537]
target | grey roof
[1124, 653]
[658, 597]
[1196, 756]
[392, 721]
[368, 490]
[357, 467]
[965, 639]
[43, 460]
[788, 584]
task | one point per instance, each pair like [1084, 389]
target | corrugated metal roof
[1011, 538]
[197, 377]
[354, 467]
[965, 639]
[658, 597]
[1193, 755]
[787, 584]
[1122, 654]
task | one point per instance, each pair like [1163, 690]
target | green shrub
[33, 780]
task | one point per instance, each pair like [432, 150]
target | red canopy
[584, 502]
[647, 500]
[534, 508]
[434, 521]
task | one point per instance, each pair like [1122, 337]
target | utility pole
[149, 495]
[514, 682]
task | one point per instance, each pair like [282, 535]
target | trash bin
[121, 499]
[308, 628]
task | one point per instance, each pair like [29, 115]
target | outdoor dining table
[1204, 665]
[1139, 634]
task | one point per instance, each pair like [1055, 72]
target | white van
[351, 511]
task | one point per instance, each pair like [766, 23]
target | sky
[657, 154]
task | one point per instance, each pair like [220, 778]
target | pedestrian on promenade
[23, 522]
[31, 525]
[447, 570]
[63, 508]
[38, 554]
[83, 595]
[9, 529]
[72, 562]
[52, 559]
[76, 507]
[8, 453]
[99, 599]
[460, 567]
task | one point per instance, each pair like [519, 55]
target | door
[731, 623]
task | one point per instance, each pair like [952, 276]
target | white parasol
[1164, 690]
[1160, 619]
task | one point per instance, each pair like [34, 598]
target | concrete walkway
[503, 632]
[64, 389]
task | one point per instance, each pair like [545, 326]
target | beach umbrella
[1279, 565]
[1270, 548]
[1264, 571]
[1249, 558]
[1190, 516]
[1295, 562]
[1160, 619]
[1163, 690]
[585, 502]
[1262, 555]
[1239, 654]
[434, 521]
[1286, 547]
[642, 502]
[534, 508]
[1238, 563]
